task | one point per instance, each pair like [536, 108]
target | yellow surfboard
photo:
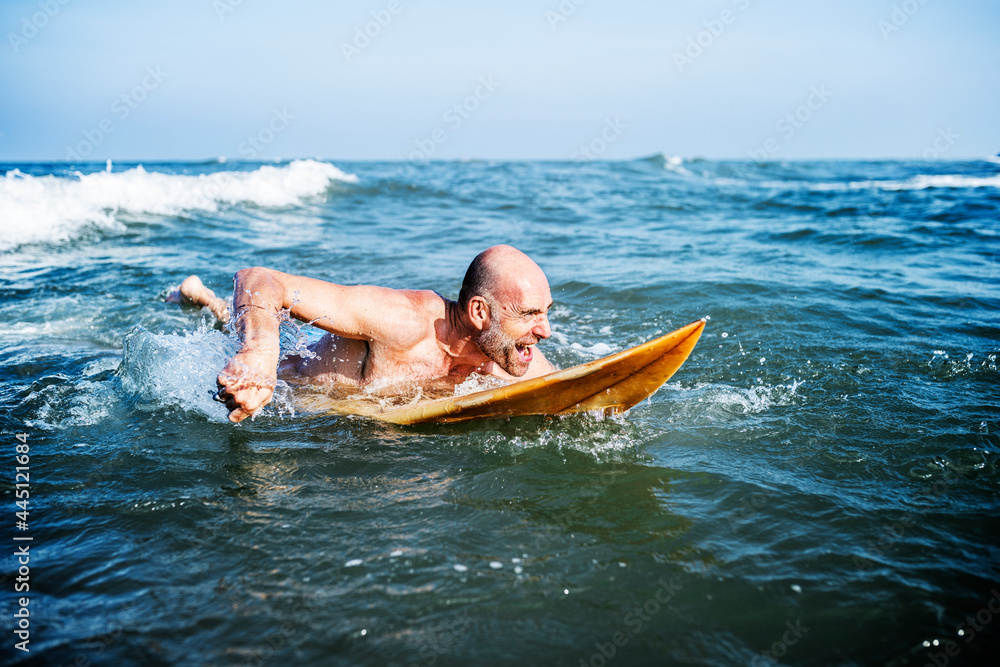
[612, 384]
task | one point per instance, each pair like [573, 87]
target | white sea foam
[53, 208]
[942, 181]
[919, 182]
[597, 349]
[675, 164]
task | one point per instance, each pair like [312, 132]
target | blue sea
[817, 485]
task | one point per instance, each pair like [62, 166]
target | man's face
[514, 329]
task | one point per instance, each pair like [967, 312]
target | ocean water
[818, 485]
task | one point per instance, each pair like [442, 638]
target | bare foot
[194, 292]
[190, 291]
[174, 296]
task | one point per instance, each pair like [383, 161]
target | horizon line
[695, 158]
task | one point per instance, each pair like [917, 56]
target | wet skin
[378, 337]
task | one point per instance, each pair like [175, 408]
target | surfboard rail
[612, 384]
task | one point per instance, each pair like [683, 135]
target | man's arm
[363, 312]
[247, 382]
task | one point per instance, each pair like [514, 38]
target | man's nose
[542, 329]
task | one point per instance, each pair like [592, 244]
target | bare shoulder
[425, 301]
[414, 317]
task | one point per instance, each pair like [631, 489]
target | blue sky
[538, 79]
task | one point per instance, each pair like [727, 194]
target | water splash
[943, 366]
[477, 382]
[721, 402]
[171, 370]
[62, 403]
[602, 437]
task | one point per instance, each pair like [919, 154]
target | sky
[518, 79]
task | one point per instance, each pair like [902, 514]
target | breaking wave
[53, 209]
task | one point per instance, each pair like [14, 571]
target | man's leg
[193, 291]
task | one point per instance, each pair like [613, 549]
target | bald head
[500, 272]
[505, 301]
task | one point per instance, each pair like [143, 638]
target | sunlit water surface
[817, 485]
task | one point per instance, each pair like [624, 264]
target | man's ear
[479, 312]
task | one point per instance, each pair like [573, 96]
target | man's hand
[247, 382]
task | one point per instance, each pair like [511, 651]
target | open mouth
[525, 352]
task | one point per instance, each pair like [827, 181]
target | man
[378, 336]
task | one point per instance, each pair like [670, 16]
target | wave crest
[53, 209]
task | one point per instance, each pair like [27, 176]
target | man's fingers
[243, 403]
[241, 409]
[243, 395]
[226, 379]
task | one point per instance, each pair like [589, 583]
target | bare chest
[357, 363]
[424, 362]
